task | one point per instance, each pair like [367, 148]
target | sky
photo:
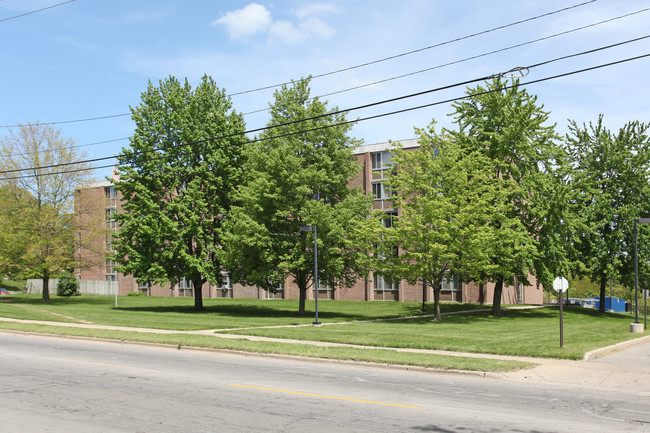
[88, 59]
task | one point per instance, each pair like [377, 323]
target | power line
[347, 68]
[334, 113]
[405, 75]
[67, 148]
[451, 63]
[440, 44]
[38, 10]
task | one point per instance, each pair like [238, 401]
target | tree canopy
[297, 173]
[37, 207]
[505, 123]
[177, 180]
[452, 213]
[612, 172]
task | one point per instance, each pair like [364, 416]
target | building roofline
[388, 145]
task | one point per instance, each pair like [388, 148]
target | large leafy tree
[177, 179]
[504, 122]
[612, 173]
[450, 206]
[38, 188]
[297, 174]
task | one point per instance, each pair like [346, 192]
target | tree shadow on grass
[249, 311]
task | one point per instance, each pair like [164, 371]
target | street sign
[560, 284]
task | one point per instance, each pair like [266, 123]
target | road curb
[604, 351]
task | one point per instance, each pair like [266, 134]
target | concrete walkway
[623, 367]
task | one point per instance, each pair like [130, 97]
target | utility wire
[424, 48]
[334, 113]
[33, 12]
[520, 69]
[67, 148]
[348, 68]
[413, 73]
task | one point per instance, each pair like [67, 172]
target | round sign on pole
[560, 284]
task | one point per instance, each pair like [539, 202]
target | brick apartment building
[375, 163]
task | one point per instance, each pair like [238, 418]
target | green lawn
[177, 313]
[532, 332]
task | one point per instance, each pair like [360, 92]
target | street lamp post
[313, 229]
[636, 267]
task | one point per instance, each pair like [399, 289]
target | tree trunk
[424, 296]
[496, 300]
[198, 294]
[301, 281]
[603, 286]
[303, 299]
[436, 302]
[46, 288]
[481, 293]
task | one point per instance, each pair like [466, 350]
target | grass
[381, 356]
[519, 332]
[177, 313]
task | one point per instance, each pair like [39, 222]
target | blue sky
[93, 58]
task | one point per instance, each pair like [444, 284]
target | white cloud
[317, 27]
[254, 18]
[315, 9]
[286, 32]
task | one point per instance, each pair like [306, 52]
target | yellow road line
[326, 396]
[104, 364]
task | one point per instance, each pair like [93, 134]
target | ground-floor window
[326, 289]
[225, 289]
[451, 289]
[385, 288]
[144, 287]
[185, 288]
[277, 293]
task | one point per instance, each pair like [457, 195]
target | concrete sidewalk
[625, 366]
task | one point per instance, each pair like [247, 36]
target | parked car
[4, 291]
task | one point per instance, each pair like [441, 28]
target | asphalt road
[66, 385]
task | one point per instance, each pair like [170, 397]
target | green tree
[177, 180]
[449, 206]
[285, 170]
[504, 122]
[39, 218]
[612, 172]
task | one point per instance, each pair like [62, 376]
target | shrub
[68, 285]
[135, 294]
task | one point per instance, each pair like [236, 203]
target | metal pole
[316, 322]
[561, 321]
[636, 275]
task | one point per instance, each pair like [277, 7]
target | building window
[381, 191]
[144, 287]
[381, 161]
[451, 288]
[386, 288]
[326, 288]
[111, 278]
[185, 288]
[110, 266]
[225, 290]
[111, 224]
[111, 195]
[276, 293]
[389, 219]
